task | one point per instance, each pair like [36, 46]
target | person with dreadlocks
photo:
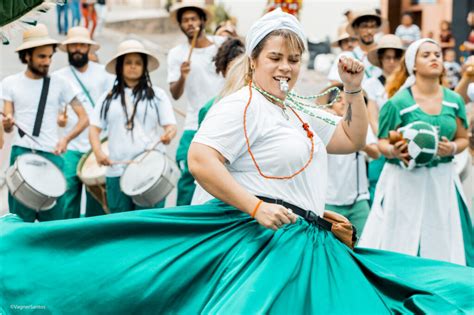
[191, 72]
[131, 113]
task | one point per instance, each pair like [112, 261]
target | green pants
[374, 170]
[28, 214]
[186, 185]
[357, 213]
[72, 198]
[119, 202]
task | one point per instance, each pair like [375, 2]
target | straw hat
[129, 47]
[192, 4]
[79, 35]
[387, 41]
[35, 37]
[341, 36]
[360, 14]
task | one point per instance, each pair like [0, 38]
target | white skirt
[417, 213]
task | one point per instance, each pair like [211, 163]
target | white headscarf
[275, 20]
[410, 58]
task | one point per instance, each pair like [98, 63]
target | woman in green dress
[422, 211]
[245, 257]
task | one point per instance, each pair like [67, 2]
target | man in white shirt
[92, 81]
[32, 100]
[364, 26]
[408, 31]
[192, 72]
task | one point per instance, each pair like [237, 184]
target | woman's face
[429, 61]
[390, 61]
[276, 62]
[132, 66]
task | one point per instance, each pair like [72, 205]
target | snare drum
[93, 175]
[35, 181]
[149, 178]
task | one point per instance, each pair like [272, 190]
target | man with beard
[92, 81]
[364, 25]
[191, 71]
[32, 100]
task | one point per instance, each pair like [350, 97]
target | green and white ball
[422, 139]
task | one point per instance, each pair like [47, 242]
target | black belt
[309, 216]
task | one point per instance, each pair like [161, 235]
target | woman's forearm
[207, 167]
[355, 121]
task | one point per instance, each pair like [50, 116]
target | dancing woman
[215, 258]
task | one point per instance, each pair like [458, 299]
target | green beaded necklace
[307, 108]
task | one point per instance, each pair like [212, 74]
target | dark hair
[23, 53]
[398, 53]
[293, 40]
[366, 18]
[200, 13]
[142, 91]
[227, 52]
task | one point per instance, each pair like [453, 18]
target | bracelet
[455, 148]
[352, 92]
[254, 212]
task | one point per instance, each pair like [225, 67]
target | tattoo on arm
[348, 117]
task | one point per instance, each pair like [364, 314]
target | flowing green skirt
[213, 259]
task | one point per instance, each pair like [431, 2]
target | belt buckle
[311, 216]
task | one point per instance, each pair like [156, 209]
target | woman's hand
[102, 158]
[446, 147]
[351, 72]
[400, 151]
[273, 216]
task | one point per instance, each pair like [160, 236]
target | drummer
[35, 115]
[92, 81]
[131, 115]
[191, 73]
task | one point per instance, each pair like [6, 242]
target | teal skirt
[213, 259]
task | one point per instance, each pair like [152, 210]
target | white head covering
[410, 58]
[275, 20]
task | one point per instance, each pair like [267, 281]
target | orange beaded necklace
[305, 126]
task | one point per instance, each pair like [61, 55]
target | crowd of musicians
[65, 115]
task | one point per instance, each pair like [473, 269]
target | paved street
[309, 83]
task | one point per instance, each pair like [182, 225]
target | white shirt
[369, 72]
[125, 145]
[410, 33]
[281, 147]
[202, 83]
[347, 181]
[97, 81]
[25, 93]
[375, 91]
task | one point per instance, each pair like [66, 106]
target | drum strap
[83, 87]
[41, 106]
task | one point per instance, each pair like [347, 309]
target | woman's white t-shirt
[124, 144]
[280, 146]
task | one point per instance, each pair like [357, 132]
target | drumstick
[148, 151]
[193, 42]
[179, 111]
[22, 129]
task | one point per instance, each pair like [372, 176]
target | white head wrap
[275, 20]
[410, 58]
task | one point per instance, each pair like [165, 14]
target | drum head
[139, 177]
[89, 169]
[41, 174]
